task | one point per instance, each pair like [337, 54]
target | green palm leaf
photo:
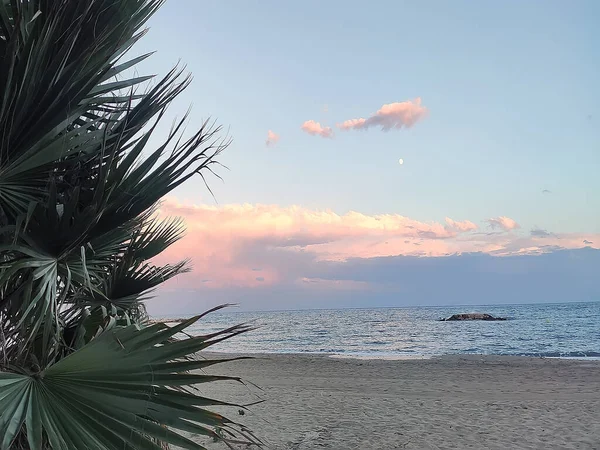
[79, 189]
[115, 391]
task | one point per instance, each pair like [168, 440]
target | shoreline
[448, 402]
[395, 357]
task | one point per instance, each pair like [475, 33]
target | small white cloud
[504, 223]
[391, 116]
[316, 129]
[272, 139]
[464, 226]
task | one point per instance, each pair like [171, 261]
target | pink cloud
[272, 139]
[464, 226]
[298, 226]
[503, 223]
[227, 242]
[253, 246]
[316, 129]
[390, 116]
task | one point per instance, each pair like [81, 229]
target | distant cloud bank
[252, 253]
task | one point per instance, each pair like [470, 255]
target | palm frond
[79, 188]
[116, 390]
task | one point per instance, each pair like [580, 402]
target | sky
[493, 107]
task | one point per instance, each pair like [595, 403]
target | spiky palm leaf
[115, 392]
[79, 187]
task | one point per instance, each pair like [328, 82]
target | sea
[567, 330]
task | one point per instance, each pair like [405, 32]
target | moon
[400, 161]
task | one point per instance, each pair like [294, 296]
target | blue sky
[511, 90]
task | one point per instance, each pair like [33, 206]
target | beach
[451, 402]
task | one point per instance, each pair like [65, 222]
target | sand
[475, 402]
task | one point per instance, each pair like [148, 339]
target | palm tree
[80, 365]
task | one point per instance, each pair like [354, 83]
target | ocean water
[569, 330]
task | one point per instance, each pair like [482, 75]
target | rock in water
[472, 316]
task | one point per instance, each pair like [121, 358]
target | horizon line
[228, 309]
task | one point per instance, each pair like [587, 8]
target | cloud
[276, 257]
[272, 139]
[539, 232]
[503, 223]
[252, 246]
[463, 226]
[315, 129]
[295, 226]
[466, 279]
[390, 116]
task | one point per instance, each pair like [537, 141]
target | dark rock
[472, 316]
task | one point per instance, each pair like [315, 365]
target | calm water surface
[556, 330]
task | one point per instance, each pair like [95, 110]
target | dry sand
[315, 402]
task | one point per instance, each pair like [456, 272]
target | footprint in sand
[312, 439]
